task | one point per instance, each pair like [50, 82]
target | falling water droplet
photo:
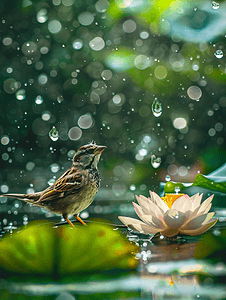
[51, 181]
[167, 178]
[53, 134]
[215, 5]
[155, 161]
[20, 94]
[219, 54]
[60, 99]
[39, 100]
[156, 108]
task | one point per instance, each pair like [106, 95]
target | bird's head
[88, 156]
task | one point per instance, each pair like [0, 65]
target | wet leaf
[202, 181]
[43, 250]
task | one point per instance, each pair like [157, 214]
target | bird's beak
[100, 149]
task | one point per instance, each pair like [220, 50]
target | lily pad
[41, 250]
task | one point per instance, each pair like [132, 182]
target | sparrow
[74, 191]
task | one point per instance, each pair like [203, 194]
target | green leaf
[50, 252]
[202, 181]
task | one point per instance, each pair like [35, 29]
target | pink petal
[196, 200]
[145, 205]
[182, 204]
[158, 223]
[199, 230]
[149, 219]
[170, 232]
[197, 222]
[205, 205]
[158, 201]
[154, 209]
[143, 216]
[137, 225]
[174, 219]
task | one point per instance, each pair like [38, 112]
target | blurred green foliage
[212, 247]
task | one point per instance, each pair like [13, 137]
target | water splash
[155, 161]
[53, 134]
[156, 108]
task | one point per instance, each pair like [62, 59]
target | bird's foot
[80, 220]
[69, 222]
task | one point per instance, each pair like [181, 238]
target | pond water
[144, 78]
[167, 270]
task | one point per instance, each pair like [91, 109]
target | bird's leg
[80, 220]
[66, 219]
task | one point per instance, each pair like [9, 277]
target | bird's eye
[89, 151]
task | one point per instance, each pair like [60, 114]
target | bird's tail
[30, 198]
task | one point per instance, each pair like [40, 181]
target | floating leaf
[43, 250]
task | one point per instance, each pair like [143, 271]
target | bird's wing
[71, 180]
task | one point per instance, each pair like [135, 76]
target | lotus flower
[171, 215]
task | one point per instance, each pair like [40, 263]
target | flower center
[169, 199]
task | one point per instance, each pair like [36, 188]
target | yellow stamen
[169, 199]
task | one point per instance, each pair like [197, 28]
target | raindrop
[20, 94]
[51, 181]
[167, 178]
[156, 108]
[219, 54]
[42, 15]
[155, 161]
[60, 99]
[77, 44]
[132, 187]
[55, 168]
[215, 5]
[39, 100]
[53, 134]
